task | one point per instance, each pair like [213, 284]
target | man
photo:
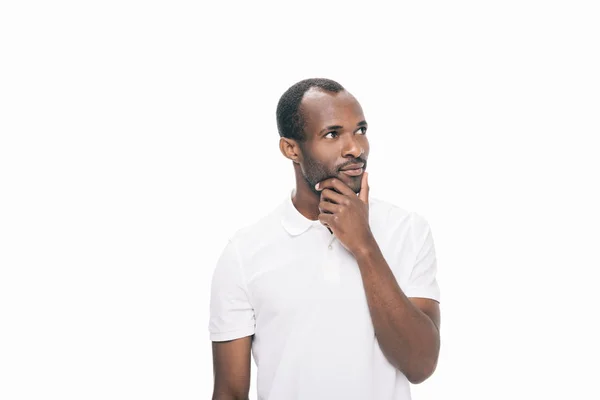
[334, 293]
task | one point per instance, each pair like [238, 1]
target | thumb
[364, 188]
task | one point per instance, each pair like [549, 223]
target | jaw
[354, 182]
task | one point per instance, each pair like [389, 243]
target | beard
[314, 172]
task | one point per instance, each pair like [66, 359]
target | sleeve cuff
[424, 293]
[231, 335]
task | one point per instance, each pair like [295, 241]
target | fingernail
[317, 186]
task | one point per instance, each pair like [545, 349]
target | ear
[290, 149]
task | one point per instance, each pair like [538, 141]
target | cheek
[366, 148]
[366, 145]
[316, 157]
[319, 167]
[323, 160]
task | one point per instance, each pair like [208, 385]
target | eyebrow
[336, 127]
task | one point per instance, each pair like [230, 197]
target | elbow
[415, 379]
[421, 373]
[425, 364]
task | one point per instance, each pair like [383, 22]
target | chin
[352, 182]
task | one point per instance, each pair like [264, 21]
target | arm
[407, 329]
[231, 369]
[231, 327]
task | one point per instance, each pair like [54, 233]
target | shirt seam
[232, 330]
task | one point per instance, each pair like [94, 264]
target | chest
[316, 277]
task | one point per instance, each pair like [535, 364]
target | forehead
[320, 108]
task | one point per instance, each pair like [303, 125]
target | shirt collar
[292, 220]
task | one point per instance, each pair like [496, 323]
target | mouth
[355, 169]
[353, 172]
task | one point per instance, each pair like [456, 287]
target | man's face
[335, 130]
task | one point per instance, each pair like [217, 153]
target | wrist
[366, 250]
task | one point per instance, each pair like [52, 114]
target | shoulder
[263, 229]
[392, 217]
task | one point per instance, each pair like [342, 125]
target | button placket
[331, 242]
[331, 263]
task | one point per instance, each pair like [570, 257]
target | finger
[337, 185]
[326, 219]
[328, 207]
[364, 188]
[333, 197]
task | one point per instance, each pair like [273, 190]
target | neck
[306, 199]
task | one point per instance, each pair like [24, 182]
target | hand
[345, 213]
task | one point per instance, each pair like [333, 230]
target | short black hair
[290, 122]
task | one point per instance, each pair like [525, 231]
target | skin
[407, 329]
[231, 369]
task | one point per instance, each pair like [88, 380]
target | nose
[353, 148]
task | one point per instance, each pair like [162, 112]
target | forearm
[407, 336]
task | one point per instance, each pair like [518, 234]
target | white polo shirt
[289, 282]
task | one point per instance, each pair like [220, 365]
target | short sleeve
[422, 281]
[231, 313]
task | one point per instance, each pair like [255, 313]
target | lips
[353, 170]
[353, 167]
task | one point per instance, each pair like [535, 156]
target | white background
[137, 136]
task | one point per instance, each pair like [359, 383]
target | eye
[331, 133]
[362, 130]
